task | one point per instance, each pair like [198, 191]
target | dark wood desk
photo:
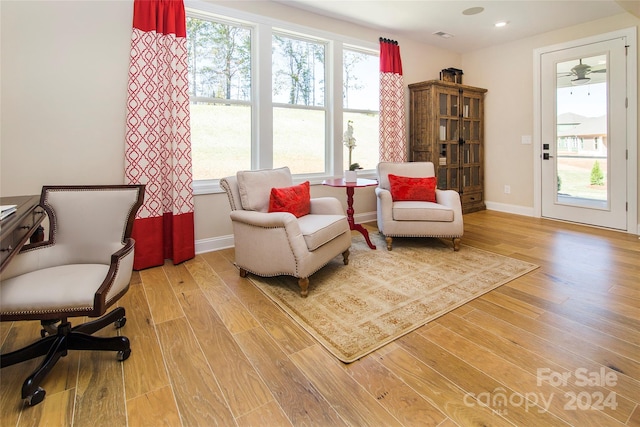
[18, 227]
[351, 186]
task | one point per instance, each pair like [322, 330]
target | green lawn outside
[221, 140]
[575, 175]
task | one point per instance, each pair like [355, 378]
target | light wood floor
[210, 349]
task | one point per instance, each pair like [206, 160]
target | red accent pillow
[404, 188]
[295, 199]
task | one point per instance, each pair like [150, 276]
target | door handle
[546, 156]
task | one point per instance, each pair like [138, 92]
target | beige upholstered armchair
[279, 243]
[410, 215]
[81, 270]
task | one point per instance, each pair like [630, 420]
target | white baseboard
[514, 209]
[225, 242]
[521, 210]
[365, 217]
[214, 244]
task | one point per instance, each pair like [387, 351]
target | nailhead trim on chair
[14, 313]
[117, 296]
[439, 236]
[39, 245]
[54, 223]
[290, 248]
[279, 274]
[77, 309]
[225, 186]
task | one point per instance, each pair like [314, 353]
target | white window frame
[262, 29]
[367, 172]
[328, 100]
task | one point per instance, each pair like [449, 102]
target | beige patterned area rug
[382, 295]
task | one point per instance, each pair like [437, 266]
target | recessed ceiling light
[501, 24]
[473, 11]
[443, 34]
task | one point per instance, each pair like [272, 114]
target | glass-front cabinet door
[472, 141]
[448, 163]
[446, 121]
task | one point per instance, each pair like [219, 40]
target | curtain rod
[383, 40]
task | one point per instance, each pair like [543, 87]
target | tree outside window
[299, 112]
[219, 56]
[228, 111]
[360, 93]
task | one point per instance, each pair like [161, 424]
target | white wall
[64, 80]
[507, 72]
[63, 93]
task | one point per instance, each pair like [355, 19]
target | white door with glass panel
[584, 142]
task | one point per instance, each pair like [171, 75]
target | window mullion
[335, 111]
[262, 118]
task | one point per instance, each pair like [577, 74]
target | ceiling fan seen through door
[579, 73]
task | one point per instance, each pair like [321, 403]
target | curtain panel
[158, 140]
[393, 140]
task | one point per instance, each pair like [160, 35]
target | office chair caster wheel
[120, 322]
[124, 354]
[36, 397]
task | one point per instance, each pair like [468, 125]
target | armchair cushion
[421, 211]
[405, 188]
[295, 199]
[320, 229]
[255, 186]
[52, 289]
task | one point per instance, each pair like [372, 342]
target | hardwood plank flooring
[558, 346]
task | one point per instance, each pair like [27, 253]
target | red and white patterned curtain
[158, 139]
[393, 139]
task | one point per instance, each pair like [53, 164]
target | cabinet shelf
[446, 128]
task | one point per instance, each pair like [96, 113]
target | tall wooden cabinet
[446, 128]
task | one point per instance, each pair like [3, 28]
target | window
[360, 101]
[299, 114]
[237, 123]
[219, 56]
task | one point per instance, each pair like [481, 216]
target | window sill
[212, 186]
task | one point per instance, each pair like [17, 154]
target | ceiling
[419, 19]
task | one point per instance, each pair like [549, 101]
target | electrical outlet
[507, 189]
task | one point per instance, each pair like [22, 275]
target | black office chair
[81, 270]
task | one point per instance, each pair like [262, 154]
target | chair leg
[456, 244]
[345, 257]
[303, 282]
[56, 346]
[116, 316]
[37, 349]
[31, 389]
[243, 272]
[389, 240]
[80, 341]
